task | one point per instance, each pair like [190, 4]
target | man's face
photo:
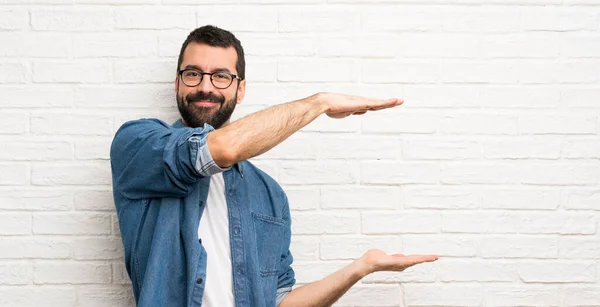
[205, 103]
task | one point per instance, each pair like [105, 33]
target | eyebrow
[219, 69]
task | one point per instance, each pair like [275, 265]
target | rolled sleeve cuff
[204, 163]
[281, 294]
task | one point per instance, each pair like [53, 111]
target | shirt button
[199, 280]
[201, 203]
[200, 240]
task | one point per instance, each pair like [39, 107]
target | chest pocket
[268, 232]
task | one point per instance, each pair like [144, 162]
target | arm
[261, 131]
[328, 290]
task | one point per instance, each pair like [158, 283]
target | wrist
[362, 268]
[320, 101]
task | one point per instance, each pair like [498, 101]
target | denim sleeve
[150, 159]
[287, 277]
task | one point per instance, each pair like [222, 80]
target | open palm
[377, 260]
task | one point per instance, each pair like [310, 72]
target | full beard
[196, 116]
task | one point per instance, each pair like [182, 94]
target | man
[200, 225]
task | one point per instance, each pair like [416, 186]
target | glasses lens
[221, 80]
[191, 77]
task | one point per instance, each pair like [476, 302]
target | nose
[205, 84]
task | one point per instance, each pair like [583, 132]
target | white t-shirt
[214, 233]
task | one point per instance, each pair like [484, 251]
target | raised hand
[377, 260]
[340, 105]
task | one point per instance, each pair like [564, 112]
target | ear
[241, 91]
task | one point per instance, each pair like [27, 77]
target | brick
[321, 70]
[537, 72]
[429, 149]
[71, 272]
[477, 271]
[15, 224]
[477, 222]
[71, 124]
[580, 296]
[305, 248]
[45, 96]
[399, 18]
[372, 46]
[580, 97]
[145, 71]
[302, 198]
[154, 18]
[557, 19]
[37, 296]
[582, 199]
[389, 173]
[36, 151]
[71, 224]
[439, 198]
[289, 45]
[340, 248]
[93, 149]
[557, 272]
[477, 123]
[521, 45]
[115, 227]
[580, 71]
[170, 42]
[241, 18]
[126, 44]
[35, 200]
[14, 174]
[97, 249]
[261, 69]
[519, 247]
[16, 273]
[13, 72]
[328, 124]
[560, 174]
[318, 20]
[479, 173]
[481, 19]
[307, 272]
[325, 223]
[120, 275]
[522, 148]
[525, 97]
[34, 248]
[521, 199]
[379, 295]
[363, 147]
[360, 197]
[443, 295]
[393, 121]
[581, 46]
[477, 71]
[579, 248]
[440, 96]
[396, 223]
[558, 223]
[558, 124]
[522, 295]
[80, 20]
[72, 72]
[394, 71]
[581, 149]
[19, 45]
[14, 19]
[112, 295]
[125, 96]
[296, 147]
[441, 245]
[94, 200]
[318, 173]
[434, 45]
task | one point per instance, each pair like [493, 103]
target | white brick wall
[493, 163]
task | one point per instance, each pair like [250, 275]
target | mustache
[198, 96]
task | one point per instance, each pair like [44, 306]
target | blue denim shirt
[161, 175]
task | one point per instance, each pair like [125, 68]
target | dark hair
[216, 37]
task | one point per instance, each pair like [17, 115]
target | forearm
[261, 131]
[326, 291]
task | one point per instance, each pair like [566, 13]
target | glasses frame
[233, 77]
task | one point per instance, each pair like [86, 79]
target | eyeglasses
[193, 77]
